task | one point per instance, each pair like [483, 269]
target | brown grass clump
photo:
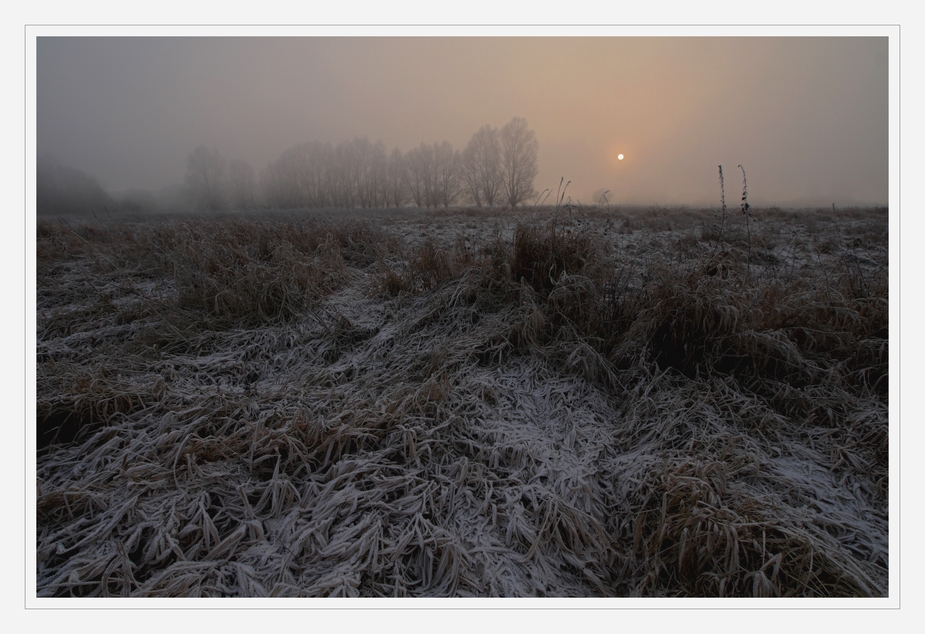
[218, 276]
[439, 404]
[541, 255]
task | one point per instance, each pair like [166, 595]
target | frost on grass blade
[464, 404]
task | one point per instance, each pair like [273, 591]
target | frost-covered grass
[607, 403]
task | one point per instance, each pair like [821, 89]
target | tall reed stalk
[722, 195]
[747, 215]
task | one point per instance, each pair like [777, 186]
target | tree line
[497, 167]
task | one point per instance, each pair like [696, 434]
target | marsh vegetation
[605, 403]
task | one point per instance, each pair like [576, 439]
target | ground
[598, 402]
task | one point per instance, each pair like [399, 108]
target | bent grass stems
[545, 409]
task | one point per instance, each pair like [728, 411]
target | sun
[616, 156]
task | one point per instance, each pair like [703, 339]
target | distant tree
[519, 150]
[469, 178]
[360, 173]
[342, 176]
[241, 183]
[446, 174]
[481, 166]
[419, 163]
[378, 175]
[205, 178]
[396, 179]
[63, 190]
[316, 159]
[369, 172]
[299, 177]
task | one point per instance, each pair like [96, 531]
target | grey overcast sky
[808, 117]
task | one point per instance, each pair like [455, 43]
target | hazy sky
[807, 117]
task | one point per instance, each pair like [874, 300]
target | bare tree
[241, 177]
[468, 175]
[378, 175]
[319, 158]
[419, 163]
[396, 179]
[481, 166]
[446, 171]
[369, 172]
[342, 176]
[282, 180]
[519, 150]
[360, 173]
[205, 178]
[298, 179]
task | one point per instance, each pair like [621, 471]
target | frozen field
[604, 403]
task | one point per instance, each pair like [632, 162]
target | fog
[807, 117]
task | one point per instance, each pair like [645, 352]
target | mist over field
[463, 317]
[807, 117]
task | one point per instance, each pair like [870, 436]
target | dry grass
[463, 405]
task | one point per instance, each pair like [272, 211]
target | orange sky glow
[808, 117]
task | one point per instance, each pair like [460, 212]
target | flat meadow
[555, 402]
